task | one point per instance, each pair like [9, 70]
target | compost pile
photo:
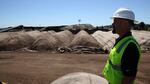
[66, 41]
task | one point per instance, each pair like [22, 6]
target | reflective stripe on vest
[114, 66]
[122, 45]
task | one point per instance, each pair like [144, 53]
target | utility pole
[79, 21]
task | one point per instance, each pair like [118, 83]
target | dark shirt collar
[120, 38]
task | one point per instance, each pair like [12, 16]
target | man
[122, 63]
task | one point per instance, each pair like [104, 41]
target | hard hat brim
[135, 21]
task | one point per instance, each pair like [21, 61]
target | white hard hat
[124, 13]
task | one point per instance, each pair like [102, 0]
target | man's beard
[114, 31]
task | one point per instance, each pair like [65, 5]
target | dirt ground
[44, 67]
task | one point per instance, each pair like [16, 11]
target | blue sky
[66, 12]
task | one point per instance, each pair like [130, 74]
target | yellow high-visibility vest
[112, 70]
